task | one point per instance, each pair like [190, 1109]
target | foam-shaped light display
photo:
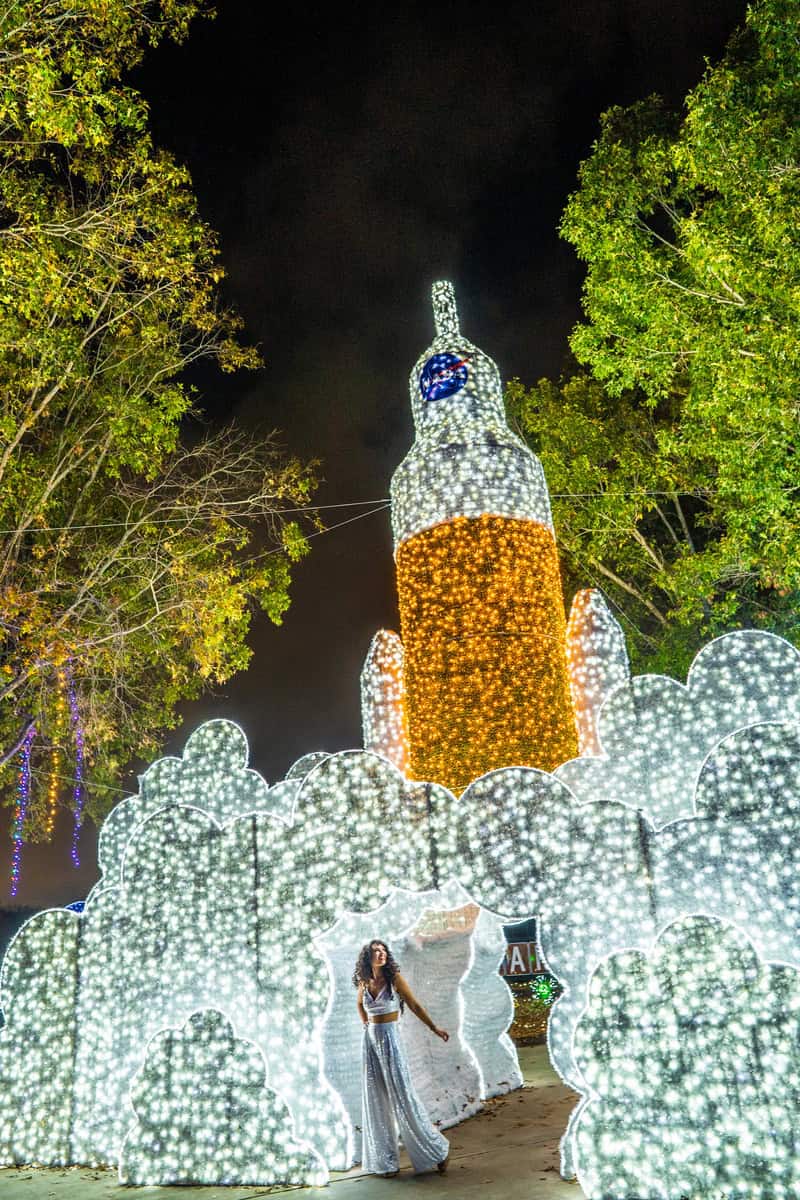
[204, 1114]
[193, 913]
[488, 1010]
[237, 916]
[211, 775]
[38, 989]
[382, 705]
[692, 1058]
[301, 768]
[597, 659]
[739, 858]
[655, 732]
[481, 611]
[522, 845]
[602, 877]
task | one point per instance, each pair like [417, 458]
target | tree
[688, 226]
[130, 558]
[637, 522]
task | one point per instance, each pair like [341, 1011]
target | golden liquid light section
[483, 628]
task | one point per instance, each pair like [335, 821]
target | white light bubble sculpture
[283, 797]
[204, 1114]
[211, 775]
[38, 986]
[206, 915]
[298, 770]
[283, 794]
[597, 660]
[655, 732]
[382, 705]
[739, 858]
[524, 845]
[489, 1008]
[602, 878]
[692, 1058]
[235, 914]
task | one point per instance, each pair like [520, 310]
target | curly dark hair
[363, 971]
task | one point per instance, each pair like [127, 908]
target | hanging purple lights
[67, 692]
[23, 799]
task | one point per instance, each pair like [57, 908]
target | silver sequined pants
[390, 1104]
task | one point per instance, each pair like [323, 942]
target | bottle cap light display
[481, 611]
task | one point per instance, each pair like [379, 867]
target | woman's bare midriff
[382, 1018]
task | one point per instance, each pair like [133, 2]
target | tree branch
[629, 588]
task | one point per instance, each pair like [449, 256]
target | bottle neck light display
[485, 681]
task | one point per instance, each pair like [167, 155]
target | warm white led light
[204, 1115]
[597, 660]
[692, 1059]
[655, 732]
[382, 704]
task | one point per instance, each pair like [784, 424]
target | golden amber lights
[485, 667]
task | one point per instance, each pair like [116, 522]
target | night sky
[347, 161]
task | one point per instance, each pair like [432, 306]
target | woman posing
[389, 1100]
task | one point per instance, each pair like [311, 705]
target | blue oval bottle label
[443, 375]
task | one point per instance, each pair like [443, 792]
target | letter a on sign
[516, 961]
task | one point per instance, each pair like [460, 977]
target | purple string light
[77, 794]
[23, 798]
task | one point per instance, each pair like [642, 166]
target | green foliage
[641, 522]
[123, 552]
[688, 226]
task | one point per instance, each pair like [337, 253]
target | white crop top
[386, 1001]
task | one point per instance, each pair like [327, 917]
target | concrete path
[507, 1152]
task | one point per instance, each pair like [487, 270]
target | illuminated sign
[520, 959]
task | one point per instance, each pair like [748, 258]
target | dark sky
[348, 160]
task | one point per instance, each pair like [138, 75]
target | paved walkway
[507, 1152]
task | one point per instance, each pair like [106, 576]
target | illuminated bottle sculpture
[482, 618]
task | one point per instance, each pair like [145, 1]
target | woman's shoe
[389, 1174]
[443, 1165]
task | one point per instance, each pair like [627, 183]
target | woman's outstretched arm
[413, 1003]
